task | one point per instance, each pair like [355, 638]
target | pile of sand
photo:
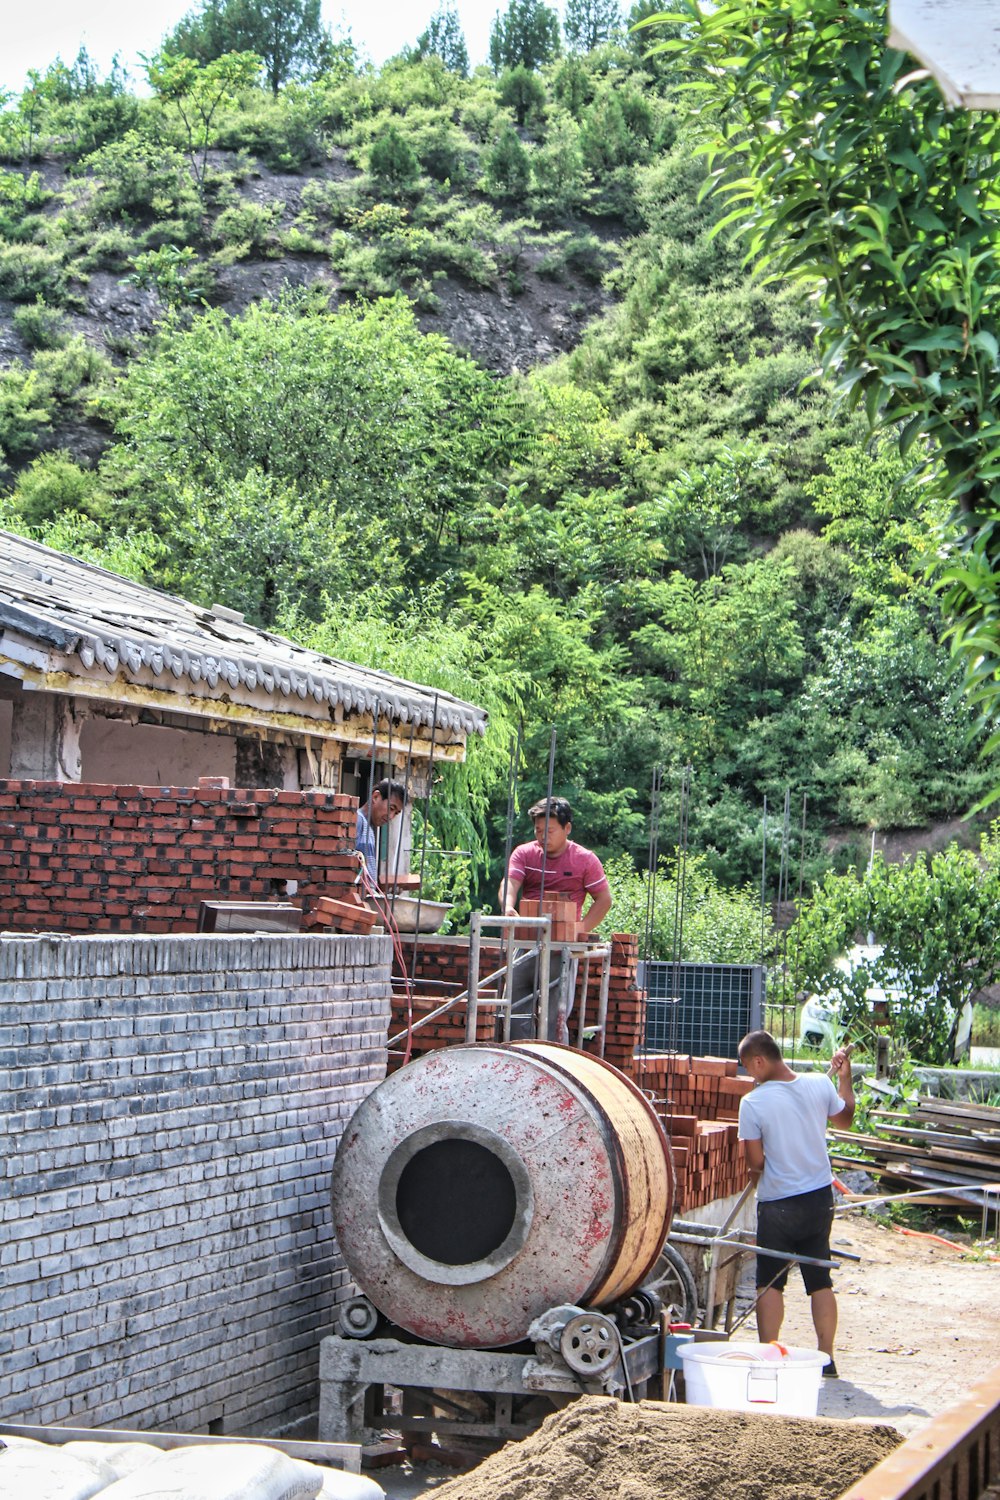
[600, 1449]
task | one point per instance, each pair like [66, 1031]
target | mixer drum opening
[455, 1202]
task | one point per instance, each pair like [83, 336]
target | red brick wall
[89, 858]
[437, 970]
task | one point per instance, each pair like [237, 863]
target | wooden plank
[345, 1455]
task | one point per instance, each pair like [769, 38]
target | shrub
[29, 271]
[24, 412]
[582, 254]
[282, 132]
[64, 372]
[523, 93]
[18, 196]
[392, 160]
[329, 202]
[84, 125]
[139, 177]
[40, 326]
[175, 274]
[54, 484]
[109, 250]
[250, 227]
[506, 168]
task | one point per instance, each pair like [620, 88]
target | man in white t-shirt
[783, 1127]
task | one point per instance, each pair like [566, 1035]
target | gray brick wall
[170, 1109]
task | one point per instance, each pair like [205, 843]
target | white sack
[118, 1459]
[231, 1471]
[340, 1486]
[41, 1471]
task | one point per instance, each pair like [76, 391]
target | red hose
[384, 907]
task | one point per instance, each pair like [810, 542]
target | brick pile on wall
[78, 857]
[174, 1107]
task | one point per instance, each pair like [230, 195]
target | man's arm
[841, 1065]
[598, 909]
[755, 1159]
[510, 890]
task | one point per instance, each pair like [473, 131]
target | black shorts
[800, 1226]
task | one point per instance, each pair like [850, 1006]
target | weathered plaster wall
[171, 1108]
[112, 751]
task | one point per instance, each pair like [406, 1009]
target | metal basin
[432, 913]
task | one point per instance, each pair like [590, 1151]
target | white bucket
[753, 1377]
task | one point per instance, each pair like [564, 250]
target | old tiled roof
[110, 623]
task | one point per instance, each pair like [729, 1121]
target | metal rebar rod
[406, 784]
[423, 842]
[512, 774]
[548, 813]
[388, 821]
[763, 877]
[472, 1005]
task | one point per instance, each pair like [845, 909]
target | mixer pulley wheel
[357, 1319]
[589, 1344]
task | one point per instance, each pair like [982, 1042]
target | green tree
[702, 923]
[849, 170]
[523, 92]
[357, 412]
[588, 23]
[525, 36]
[286, 34]
[506, 168]
[197, 91]
[937, 923]
[444, 38]
[393, 160]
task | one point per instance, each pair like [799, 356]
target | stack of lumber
[950, 1144]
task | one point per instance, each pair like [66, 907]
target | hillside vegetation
[447, 374]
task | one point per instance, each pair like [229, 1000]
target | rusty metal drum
[480, 1186]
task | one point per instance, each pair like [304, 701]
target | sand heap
[600, 1449]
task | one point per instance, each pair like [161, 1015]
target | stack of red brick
[563, 914]
[350, 914]
[439, 969]
[698, 1100]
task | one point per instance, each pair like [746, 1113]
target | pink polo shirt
[575, 873]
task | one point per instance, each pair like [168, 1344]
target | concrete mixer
[487, 1196]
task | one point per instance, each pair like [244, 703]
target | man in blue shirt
[385, 803]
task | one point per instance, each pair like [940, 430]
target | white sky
[35, 32]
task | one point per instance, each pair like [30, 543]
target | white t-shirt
[789, 1119]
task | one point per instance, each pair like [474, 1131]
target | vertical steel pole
[423, 846]
[472, 1003]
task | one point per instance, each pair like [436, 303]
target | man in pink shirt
[569, 870]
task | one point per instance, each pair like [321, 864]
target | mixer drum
[480, 1186]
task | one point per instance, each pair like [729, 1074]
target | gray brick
[178, 1104]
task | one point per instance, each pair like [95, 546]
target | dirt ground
[918, 1326]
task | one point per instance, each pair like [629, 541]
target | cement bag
[340, 1486]
[231, 1471]
[41, 1471]
[118, 1459]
